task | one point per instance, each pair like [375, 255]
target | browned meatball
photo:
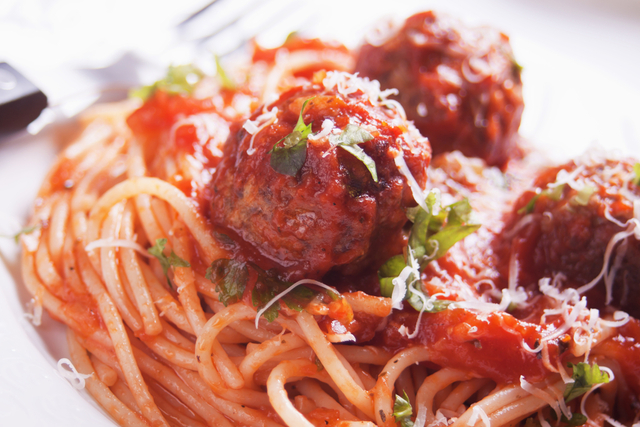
[331, 212]
[460, 85]
[565, 229]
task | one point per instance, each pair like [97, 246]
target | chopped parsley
[230, 278]
[172, 260]
[585, 377]
[180, 80]
[288, 154]
[351, 136]
[402, 410]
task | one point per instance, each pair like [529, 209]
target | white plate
[573, 100]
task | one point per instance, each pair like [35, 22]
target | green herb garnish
[225, 80]
[583, 196]
[585, 377]
[230, 278]
[288, 154]
[180, 80]
[268, 286]
[172, 260]
[402, 410]
[351, 136]
[554, 193]
[26, 230]
[431, 236]
[636, 171]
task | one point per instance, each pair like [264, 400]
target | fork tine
[235, 35]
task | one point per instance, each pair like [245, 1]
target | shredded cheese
[418, 193]
[34, 311]
[265, 119]
[594, 388]
[620, 318]
[116, 243]
[75, 378]
[338, 338]
[327, 127]
[569, 178]
[286, 291]
[542, 395]
[478, 412]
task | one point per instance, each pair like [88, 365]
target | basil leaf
[172, 260]
[555, 193]
[402, 410]
[260, 296]
[389, 271]
[528, 208]
[351, 135]
[299, 297]
[585, 377]
[364, 158]
[459, 212]
[416, 302]
[636, 171]
[393, 267]
[288, 161]
[287, 158]
[430, 238]
[181, 79]
[226, 82]
[420, 228]
[230, 278]
[268, 286]
[348, 140]
[449, 236]
[583, 196]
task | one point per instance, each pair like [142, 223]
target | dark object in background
[460, 85]
[21, 102]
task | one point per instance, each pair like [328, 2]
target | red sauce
[293, 44]
[624, 348]
[486, 345]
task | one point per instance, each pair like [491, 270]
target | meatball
[331, 212]
[460, 85]
[565, 223]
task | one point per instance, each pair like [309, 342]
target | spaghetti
[204, 284]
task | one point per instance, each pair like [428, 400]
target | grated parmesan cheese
[543, 395]
[478, 412]
[265, 119]
[75, 378]
[339, 338]
[117, 243]
[327, 127]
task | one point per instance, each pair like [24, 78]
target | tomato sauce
[487, 345]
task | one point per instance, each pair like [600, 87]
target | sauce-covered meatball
[337, 194]
[460, 85]
[577, 217]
